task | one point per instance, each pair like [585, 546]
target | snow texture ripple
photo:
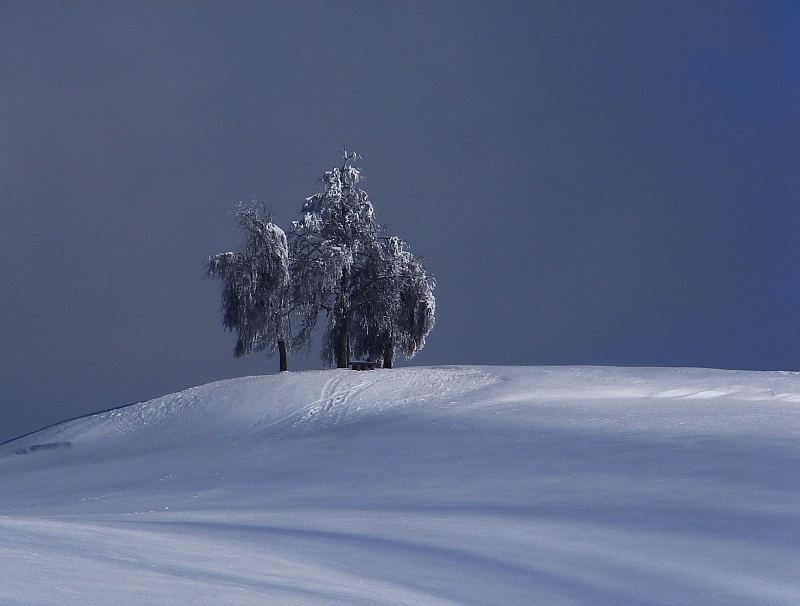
[445, 485]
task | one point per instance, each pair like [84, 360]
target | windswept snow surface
[456, 485]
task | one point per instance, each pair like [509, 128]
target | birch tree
[376, 295]
[395, 306]
[255, 286]
[330, 246]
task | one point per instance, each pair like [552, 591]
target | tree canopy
[255, 285]
[337, 261]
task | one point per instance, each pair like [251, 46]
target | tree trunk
[282, 354]
[388, 354]
[341, 348]
[343, 342]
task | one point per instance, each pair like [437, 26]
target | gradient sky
[590, 182]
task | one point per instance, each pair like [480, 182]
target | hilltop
[442, 485]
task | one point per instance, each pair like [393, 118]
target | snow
[443, 485]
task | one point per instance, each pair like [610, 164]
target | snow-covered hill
[462, 485]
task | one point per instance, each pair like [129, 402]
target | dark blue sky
[591, 182]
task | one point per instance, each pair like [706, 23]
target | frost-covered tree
[376, 295]
[255, 286]
[395, 306]
[330, 246]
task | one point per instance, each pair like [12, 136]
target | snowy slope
[467, 485]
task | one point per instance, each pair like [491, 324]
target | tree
[330, 246]
[376, 295]
[255, 286]
[395, 307]
[416, 312]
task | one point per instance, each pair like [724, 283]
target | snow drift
[463, 485]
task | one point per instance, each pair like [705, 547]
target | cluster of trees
[336, 260]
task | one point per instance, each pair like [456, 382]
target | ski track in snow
[445, 485]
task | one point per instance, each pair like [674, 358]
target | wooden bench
[363, 365]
